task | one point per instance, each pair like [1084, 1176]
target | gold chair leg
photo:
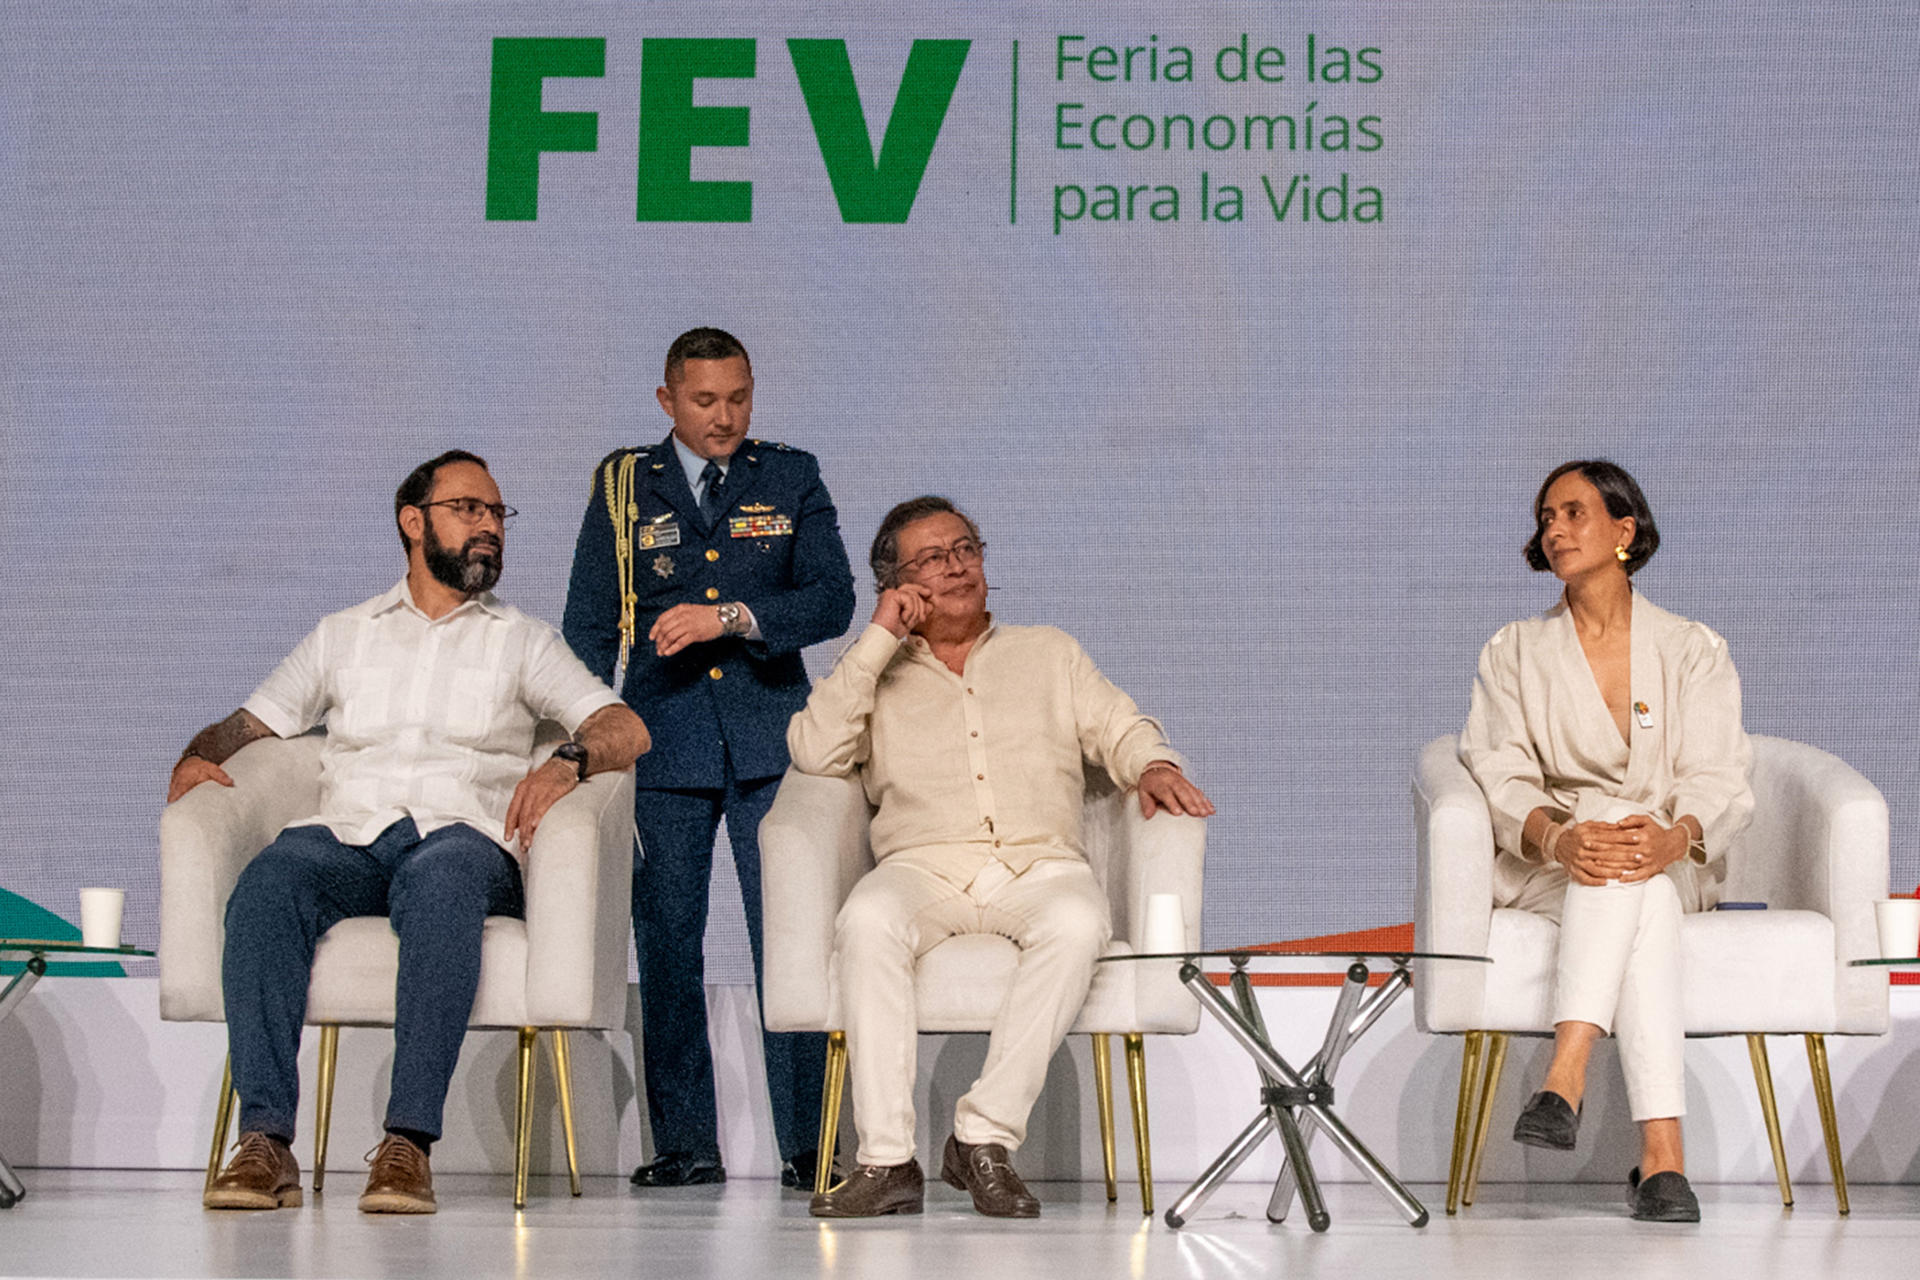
[1142, 1142]
[1463, 1111]
[222, 1122]
[1103, 1099]
[1829, 1121]
[523, 1118]
[1483, 1114]
[563, 1081]
[830, 1092]
[1770, 1112]
[323, 1103]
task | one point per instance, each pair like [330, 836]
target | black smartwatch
[576, 754]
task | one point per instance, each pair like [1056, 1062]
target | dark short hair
[702, 344]
[885, 556]
[1621, 493]
[419, 483]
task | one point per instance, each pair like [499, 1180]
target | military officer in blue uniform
[705, 564]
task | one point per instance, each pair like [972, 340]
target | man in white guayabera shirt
[430, 694]
[969, 736]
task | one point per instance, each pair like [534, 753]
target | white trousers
[1619, 968]
[1055, 913]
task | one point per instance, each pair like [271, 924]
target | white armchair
[1815, 853]
[563, 967]
[813, 847]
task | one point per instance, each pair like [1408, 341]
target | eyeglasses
[967, 551]
[471, 509]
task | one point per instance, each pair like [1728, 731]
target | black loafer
[680, 1170]
[1665, 1197]
[1547, 1121]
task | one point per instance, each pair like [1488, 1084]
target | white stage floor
[146, 1223]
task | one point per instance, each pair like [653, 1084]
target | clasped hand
[1632, 850]
[682, 625]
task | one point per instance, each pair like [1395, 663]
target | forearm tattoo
[218, 742]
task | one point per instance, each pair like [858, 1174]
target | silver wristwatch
[733, 619]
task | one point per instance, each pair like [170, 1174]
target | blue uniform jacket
[776, 549]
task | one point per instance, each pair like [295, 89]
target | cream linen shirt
[431, 719]
[982, 766]
[1539, 734]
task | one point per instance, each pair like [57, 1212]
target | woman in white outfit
[1606, 735]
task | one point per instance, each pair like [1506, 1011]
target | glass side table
[36, 951]
[1296, 1103]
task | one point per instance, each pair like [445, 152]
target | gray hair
[885, 556]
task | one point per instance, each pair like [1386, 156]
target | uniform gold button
[715, 673]
[712, 554]
[713, 593]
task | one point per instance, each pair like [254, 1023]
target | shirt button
[715, 673]
[713, 593]
[712, 555]
[969, 692]
[979, 777]
[974, 734]
[996, 844]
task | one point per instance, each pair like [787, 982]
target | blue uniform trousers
[437, 890]
[670, 880]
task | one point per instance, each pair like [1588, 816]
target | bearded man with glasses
[429, 801]
[969, 736]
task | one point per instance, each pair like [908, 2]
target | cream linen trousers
[1619, 965]
[1055, 912]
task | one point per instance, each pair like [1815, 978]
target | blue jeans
[437, 890]
[670, 880]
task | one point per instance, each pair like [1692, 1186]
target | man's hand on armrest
[614, 738]
[1163, 786]
[212, 747]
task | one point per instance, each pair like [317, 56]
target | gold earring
[1620, 554]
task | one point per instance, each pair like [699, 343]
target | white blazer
[1539, 734]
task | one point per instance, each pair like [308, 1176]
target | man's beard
[472, 569]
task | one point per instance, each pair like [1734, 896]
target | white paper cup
[1166, 928]
[100, 912]
[1898, 920]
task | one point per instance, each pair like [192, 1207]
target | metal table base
[12, 1190]
[1296, 1104]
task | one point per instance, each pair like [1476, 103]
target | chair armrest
[206, 837]
[1166, 853]
[813, 848]
[1833, 827]
[1454, 832]
[579, 889]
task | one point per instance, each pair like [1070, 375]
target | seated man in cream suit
[969, 737]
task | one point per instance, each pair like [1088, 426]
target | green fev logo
[869, 187]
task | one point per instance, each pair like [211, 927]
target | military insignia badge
[663, 565]
[662, 532]
[756, 508]
[767, 526]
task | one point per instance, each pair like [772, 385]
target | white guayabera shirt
[428, 719]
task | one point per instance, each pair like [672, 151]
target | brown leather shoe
[399, 1181]
[872, 1190]
[262, 1175]
[986, 1172]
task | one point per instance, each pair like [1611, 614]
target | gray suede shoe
[1665, 1197]
[1547, 1121]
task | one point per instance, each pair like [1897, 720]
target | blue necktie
[713, 499]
